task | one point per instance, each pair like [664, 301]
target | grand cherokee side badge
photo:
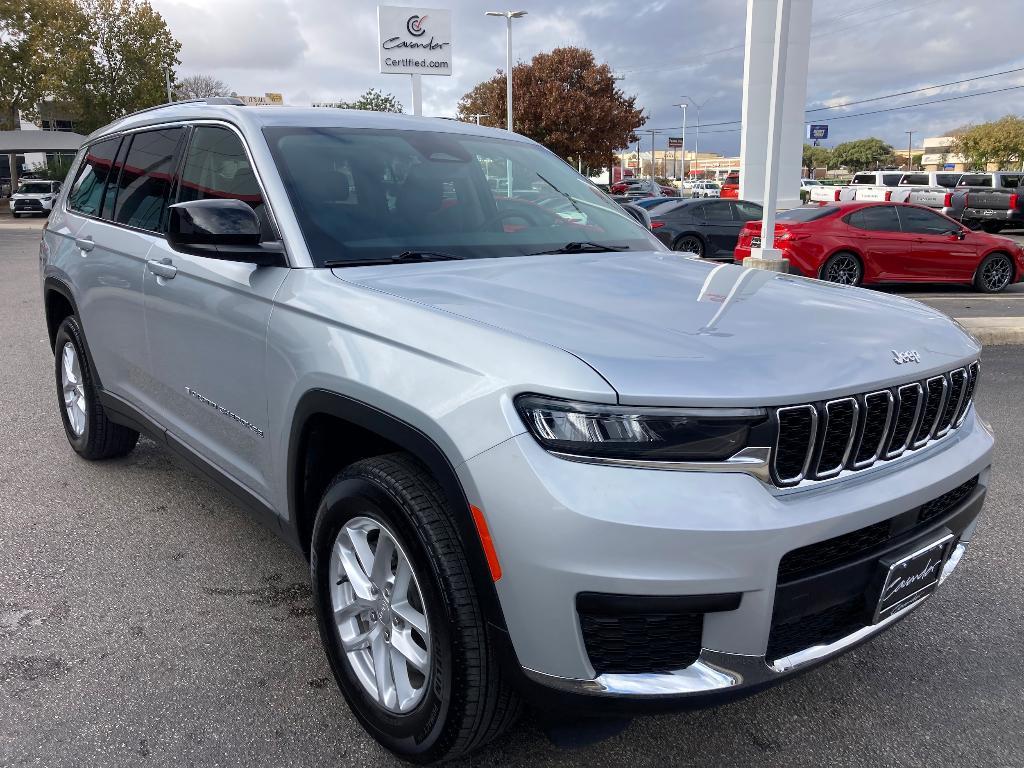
[909, 356]
[207, 401]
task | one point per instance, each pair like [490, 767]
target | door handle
[85, 243]
[162, 268]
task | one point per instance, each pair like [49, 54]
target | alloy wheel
[691, 244]
[844, 270]
[379, 614]
[72, 388]
[995, 274]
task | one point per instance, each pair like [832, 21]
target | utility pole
[696, 140]
[682, 171]
[910, 145]
[652, 155]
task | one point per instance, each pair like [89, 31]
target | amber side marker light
[485, 540]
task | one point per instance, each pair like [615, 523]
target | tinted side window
[879, 218]
[145, 181]
[863, 178]
[746, 211]
[976, 180]
[1010, 181]
[921, 222]
[216, 166]
[948, 179]
[717, 212]
[86, 194]
[891, 179]
[914, 179]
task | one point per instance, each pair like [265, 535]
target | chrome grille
[816, 441]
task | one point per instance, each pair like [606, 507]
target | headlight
[638, 433]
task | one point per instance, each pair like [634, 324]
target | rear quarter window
[914, 179]
[975, 180]
[863, 178]
[892, 179]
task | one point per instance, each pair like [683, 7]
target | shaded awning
[20, 142]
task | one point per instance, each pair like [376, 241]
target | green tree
[1000, 142]
[862, 154]
[124, 54]
[33, 33]
[565, 101]
[374, 101]
[816, 157]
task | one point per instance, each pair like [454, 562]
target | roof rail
[223, 100]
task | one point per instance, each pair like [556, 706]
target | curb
[995, 331]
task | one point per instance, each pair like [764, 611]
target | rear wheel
[992, 227]
[90, 432]
[994, 273]
[15, 214]
[844, 269]
[398, 614]
[690, 243]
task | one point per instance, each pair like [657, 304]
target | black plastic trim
[603, 604]
[55, 284]
[415, 442]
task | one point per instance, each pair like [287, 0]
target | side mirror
[221, 229]
[958, 234]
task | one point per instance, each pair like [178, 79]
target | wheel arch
[844, 248]
[59, 303]
[689, 233]
[367, 431]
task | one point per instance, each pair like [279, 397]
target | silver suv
[531, 455]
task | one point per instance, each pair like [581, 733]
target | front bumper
[563, 528]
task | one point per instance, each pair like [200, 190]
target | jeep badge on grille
[909, 356]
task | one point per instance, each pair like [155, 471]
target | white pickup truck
[924, 188]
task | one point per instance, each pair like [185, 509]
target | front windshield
[34, 188]
[370, 194]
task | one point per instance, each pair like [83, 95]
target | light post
[910, 144]
[682, 168]
[508, 15]
[696, 140]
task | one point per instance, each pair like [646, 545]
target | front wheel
[994, 273]
[844, 269]
[89, 431]
[398, 614]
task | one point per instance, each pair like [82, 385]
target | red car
[868, 243]
[731, 186]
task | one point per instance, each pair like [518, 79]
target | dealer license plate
[909, 576]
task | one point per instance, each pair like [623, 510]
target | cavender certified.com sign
[414, 41]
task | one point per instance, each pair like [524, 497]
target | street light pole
[910, 144]
[682, 169]
[696, 140]
[509, 15]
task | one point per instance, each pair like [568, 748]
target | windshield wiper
[583, 247]
[405, 257]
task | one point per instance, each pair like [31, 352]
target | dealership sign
[675, 142]
[817, 132]
[414, 41]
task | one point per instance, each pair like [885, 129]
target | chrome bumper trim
[717, 671]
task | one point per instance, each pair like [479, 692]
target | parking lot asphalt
[146, 620]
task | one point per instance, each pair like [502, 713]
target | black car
[706, 227]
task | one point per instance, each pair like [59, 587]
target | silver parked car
[523, 452]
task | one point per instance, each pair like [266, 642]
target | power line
[926, 103]
[915, 90]
[880, 98]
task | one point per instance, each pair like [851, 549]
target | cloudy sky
[860, 49]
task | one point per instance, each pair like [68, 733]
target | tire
[992, 227]
[843, 268]
[463, 701]
[89, 431]
[15, 214]
[994, 273]
[691, 243]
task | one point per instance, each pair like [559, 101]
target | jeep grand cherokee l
[522, 450]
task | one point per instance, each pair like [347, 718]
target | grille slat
[652, 642]
[877, 417]
[861, 430]
[957, 387]
[935, 394]
[840, 427]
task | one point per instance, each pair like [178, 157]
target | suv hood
[665, 329]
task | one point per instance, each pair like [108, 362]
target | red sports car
[731, 186]
[867, 243]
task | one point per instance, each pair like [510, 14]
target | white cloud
[313, 49]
